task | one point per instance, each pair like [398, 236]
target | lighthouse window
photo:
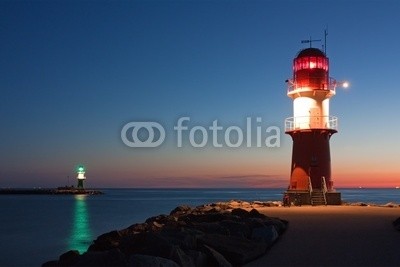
[320, 64]
[298, 65]
[313, 62]
[304, 63]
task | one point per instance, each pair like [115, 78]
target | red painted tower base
[311, 159]
[311, 167]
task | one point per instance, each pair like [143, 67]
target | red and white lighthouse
[311, 128]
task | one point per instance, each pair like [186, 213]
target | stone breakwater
[219, 234]
[396, 224]
[49, 191]
[363, 204]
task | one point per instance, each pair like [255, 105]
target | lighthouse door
[315, 118]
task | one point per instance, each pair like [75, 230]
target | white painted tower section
[81, 175]
[311, 110]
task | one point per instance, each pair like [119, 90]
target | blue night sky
[72, 73]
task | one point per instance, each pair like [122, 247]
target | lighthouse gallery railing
[311, 122]
[330, 85]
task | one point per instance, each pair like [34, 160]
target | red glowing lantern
[311, 70]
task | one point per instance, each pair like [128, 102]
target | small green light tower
[81, 176]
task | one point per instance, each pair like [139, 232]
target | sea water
[38, 228]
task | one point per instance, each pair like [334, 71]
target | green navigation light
[81, 168]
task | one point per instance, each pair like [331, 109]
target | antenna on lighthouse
[310, 41]
[325, 35]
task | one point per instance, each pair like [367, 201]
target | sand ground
[334, 236]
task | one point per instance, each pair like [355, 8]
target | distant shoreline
[49, 191]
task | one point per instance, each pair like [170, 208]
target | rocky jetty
[219, 234]
[363, 204]
[396, 224]
[49, 191]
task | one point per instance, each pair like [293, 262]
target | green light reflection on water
[81, 235]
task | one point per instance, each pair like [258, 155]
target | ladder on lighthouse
[318, 196]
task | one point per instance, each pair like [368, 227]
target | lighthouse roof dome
[310, 52]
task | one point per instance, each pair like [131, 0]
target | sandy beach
[334, 236]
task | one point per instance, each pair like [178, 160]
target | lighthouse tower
[311, 128]
[81, 176]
